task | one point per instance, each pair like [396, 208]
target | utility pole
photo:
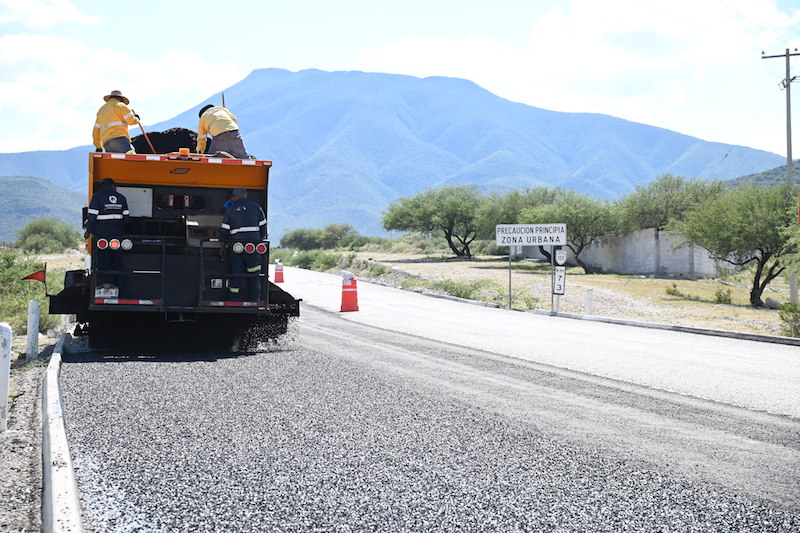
[786, 83]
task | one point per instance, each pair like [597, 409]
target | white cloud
[42, 13]
[54, 86]
[690, 66]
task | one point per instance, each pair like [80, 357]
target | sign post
[529, 235]
[559, 280]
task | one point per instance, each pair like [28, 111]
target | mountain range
[345, 144]
[23, 198]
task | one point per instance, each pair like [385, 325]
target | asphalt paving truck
[175, 262]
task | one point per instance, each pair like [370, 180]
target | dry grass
[691, 303]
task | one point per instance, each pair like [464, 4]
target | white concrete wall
[646, 252]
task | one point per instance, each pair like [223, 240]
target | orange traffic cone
[278, 271]
[349, 293]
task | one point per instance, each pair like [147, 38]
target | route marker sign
[530, 234]
[559, 280]
[561, 257]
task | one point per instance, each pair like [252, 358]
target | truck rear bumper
[210, 307]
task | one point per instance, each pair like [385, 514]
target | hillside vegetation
[24, 198]
[773, 177]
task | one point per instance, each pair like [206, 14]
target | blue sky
[693, 66]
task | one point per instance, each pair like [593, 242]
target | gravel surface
[349, 428]
[21, 455]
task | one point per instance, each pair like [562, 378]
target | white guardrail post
[5, 371]
[32, 351]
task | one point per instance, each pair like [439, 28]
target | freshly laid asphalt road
[549, 425]
[756, 375]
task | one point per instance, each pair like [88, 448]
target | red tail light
[261, 248]
[102, 244]
[249, 247]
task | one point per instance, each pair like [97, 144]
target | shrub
[722, 295]
[47, 235]
[673, 291]
[15, 293]
[346, 261]
[531, 302]
[359, 242]
[303, 259]
[460, 289]
[303, 239]
[379, 270]
[325, 261]
[790, 318]
[283, 255]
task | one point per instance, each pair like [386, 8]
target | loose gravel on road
[304, 437]
[21, 455]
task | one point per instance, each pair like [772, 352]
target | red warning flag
[38, 276]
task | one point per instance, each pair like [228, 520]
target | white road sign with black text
[531, 234]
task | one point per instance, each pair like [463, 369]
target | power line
[776, 36]
[784, 15]
[672, 15]
[745, 128]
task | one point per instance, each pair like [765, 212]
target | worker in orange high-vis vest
[111, 127]
[222, 127]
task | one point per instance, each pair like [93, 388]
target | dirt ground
[664, 300]
[21, 450]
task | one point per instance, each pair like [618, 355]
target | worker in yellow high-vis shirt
[222, 126]
[111, 127]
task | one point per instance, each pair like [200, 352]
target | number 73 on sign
[559, 279]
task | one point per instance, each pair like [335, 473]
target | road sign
[559, 279]
[561, 257]
[531, 234]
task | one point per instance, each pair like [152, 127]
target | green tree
[451, 210]
[744, 226]
[47, 235]
[302, 239]
[506, 208]
[587, 220]
[665, 199]
[333, 234]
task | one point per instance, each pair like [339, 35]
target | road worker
[219, 124]
[244, 222]
[106, 218]
[111, 127]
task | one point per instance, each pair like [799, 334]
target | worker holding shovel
[111, 127]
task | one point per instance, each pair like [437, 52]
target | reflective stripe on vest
[247, 228]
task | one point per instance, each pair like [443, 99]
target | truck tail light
[238, 247]
[102, 244]
[261, 248]
[127, 244]
[249, 247]
[114, 244]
